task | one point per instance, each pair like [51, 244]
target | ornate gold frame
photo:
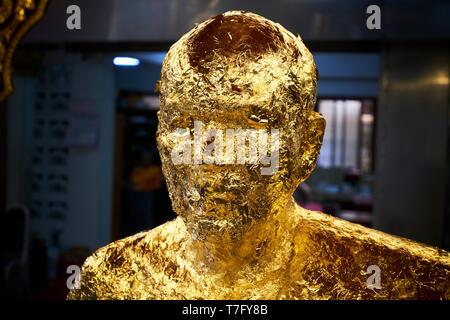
[16, 19]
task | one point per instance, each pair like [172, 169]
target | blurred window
[348, 139]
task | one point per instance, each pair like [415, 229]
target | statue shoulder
[126, 268]
[326, 226]
[338, 251]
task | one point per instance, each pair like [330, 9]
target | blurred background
[79, 166]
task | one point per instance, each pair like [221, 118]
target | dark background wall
[411, 166]
[411, 163]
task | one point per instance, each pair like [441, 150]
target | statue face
[237, 132]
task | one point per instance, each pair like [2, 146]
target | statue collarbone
[318, 257]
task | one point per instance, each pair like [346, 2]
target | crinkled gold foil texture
[239, 234]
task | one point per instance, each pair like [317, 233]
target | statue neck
[257, 244]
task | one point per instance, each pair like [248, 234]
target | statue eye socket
[182, 122]
[258, 121]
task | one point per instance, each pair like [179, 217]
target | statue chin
[215, 227]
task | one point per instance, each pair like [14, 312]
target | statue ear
[317, 125]
[313, 142]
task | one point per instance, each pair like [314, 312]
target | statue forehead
[237, 66]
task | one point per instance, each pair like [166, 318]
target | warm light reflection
[442, 78]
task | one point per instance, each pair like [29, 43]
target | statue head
[237, 128]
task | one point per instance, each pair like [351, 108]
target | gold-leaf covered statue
[237, 134]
